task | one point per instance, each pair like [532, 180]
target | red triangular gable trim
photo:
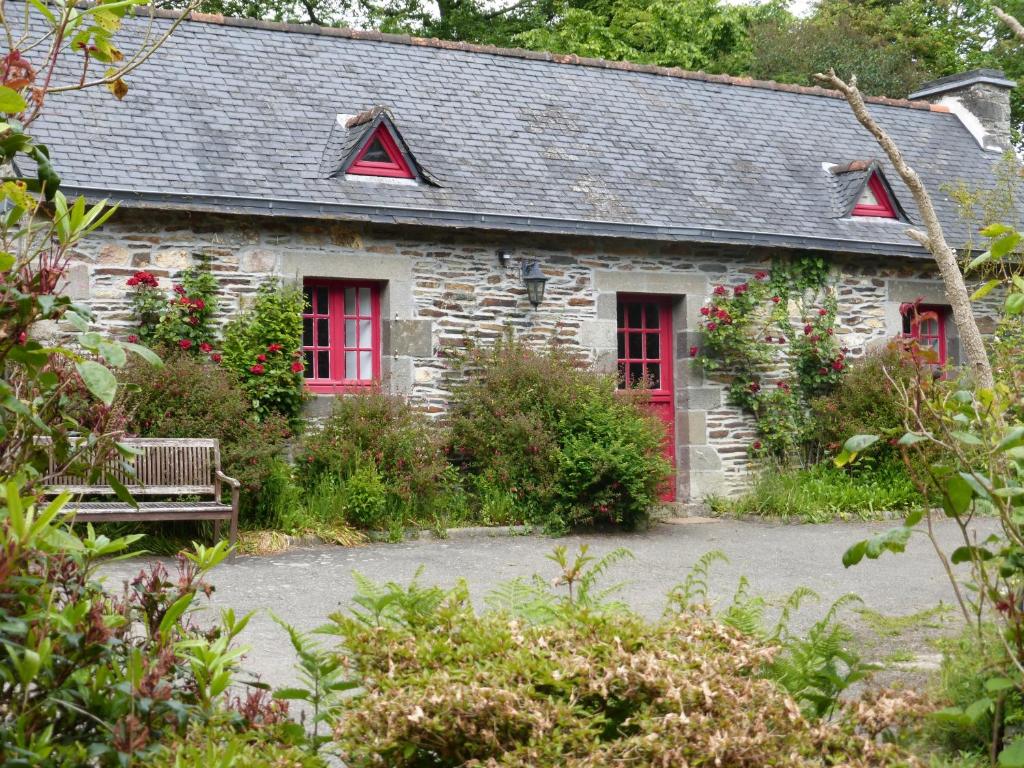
[884, 208]
[395, 166]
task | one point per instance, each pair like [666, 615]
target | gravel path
[303, 586]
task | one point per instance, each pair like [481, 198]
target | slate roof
[241, 116]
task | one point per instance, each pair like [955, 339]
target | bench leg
[216, 531]
[233, 534]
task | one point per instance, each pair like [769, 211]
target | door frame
[665, 395]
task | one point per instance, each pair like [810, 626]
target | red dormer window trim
[396, 167]
[884, 209]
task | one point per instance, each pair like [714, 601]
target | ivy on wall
[772, 339]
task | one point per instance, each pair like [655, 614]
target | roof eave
[376, 214]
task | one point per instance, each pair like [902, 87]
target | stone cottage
[423, 191]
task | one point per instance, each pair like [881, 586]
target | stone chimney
[980, 98]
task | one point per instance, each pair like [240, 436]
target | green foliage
[364, 497]
[190, 397]
[231, 745]
[823, 493]
[545, 680]
[96, 678]
[322, 676]
[557, 438]
[397, 451]
[261, 347]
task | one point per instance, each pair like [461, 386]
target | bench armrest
[235, 494]
[229, 480]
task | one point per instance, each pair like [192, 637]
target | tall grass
[822, 493]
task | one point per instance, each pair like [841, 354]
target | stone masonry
[442, 290]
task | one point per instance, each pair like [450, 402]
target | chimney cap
[963, 80]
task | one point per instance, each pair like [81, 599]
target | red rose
[693, 351]
[823, 371]
[740, 289]
[761, 276]
[757, 445]
[722, 314]
[755, 387]
[808, 329]
[782, 339]
[257, 369]
[180, 290]
[297, 367]
[712, 326]
[132, 282]
[830, 332]
[719, 290]
[837, 365]
[185, 343]
[133, 339]
[705, 311]
[199, 304]
[274, 348]
[215, 357]
[22, 337]
[776, 299]
[261, 358]
[768, 339]
[822, 312]
[206, 347]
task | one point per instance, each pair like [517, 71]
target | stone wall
[442, 290]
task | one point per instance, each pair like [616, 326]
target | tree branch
[1015, 26]
[933, 239]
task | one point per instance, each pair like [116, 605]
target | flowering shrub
[191, 397]
[556, 437]
[261, 347]
[749, 339]
[402, 446]
[580, 686]
[183, 320]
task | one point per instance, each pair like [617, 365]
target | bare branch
[1015, 26]
[933, 239]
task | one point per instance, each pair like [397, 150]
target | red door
[645, 360]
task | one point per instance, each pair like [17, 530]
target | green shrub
[262, 348]
[364, 497]
[822, 493]
[190, 397]
[558, 438]
[92, 678]
[864, 402]
[382, 432]
[229, 746]
[586, 685]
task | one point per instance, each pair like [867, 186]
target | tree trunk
[933, 238]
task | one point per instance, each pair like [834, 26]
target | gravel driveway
[303, 586]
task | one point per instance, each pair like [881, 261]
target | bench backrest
[165, 467]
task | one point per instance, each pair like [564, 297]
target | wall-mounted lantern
[532, 275]
[534, 279]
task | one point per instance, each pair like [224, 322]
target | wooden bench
[173, 467]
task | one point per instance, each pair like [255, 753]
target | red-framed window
[927, 326]
[340, 334]
[644, 344]
[380, 156]
[874, 200]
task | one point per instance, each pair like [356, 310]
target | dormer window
[380, 156]
[874, 200]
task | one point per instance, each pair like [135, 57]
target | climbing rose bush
[262, 348]
[180, 320]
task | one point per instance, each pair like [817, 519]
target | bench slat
[136, 490]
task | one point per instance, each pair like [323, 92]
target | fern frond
[694, 589]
